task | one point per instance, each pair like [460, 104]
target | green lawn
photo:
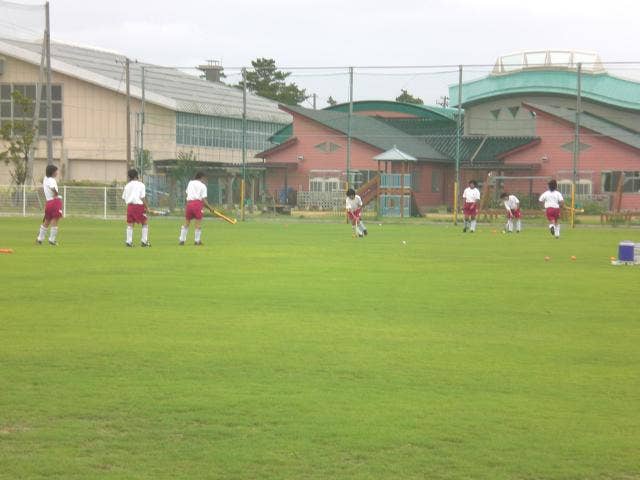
[293, 351]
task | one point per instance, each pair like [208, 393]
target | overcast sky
[356, 32]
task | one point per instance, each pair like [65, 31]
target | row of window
[208, 131]
[11, 111]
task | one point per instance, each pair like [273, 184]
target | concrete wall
[478, 118]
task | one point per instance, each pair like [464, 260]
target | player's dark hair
[199, 175]
[51, 169]
[132, 174]
[504, 195]
[553, 185]
[351, 192]
[474, 183]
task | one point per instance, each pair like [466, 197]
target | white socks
[518, 225]
[557, 231]
[183, 233]
[42, 233]
[198, 235]
[473, 225]
[129, 233]
[53, 234]
[509, 225]
[145, 234]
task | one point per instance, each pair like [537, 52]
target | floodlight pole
[349, 127]
[47, 40]
[244, 142]
[576, 145]
[127, 73]
[456, 184]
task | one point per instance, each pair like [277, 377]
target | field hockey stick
[224, 217]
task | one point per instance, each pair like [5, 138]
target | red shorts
[553, 214]
[515, 213]
[53, 209]
[135, 214]
[470, 209]
[354, 216]
[194, 210]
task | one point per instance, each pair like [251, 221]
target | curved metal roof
[600, 88]
[422, 111]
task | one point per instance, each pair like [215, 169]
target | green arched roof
[601, 88]
[421, 111]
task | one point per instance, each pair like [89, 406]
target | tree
[144, 161]
[19, 136]
[332, 101]
[185, 168]
[406, 97]
[267, 81]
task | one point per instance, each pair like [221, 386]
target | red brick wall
[604, 154]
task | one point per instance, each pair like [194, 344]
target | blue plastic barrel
[626, 251]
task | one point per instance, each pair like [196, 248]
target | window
[323, 184]
[611, 180]
[583, 187]
[436, 181]
[328, 147]
[223, 132]
[10, 111]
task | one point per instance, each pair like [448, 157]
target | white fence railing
[321, 200]
[77, 201]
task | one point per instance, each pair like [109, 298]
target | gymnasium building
[183, 114]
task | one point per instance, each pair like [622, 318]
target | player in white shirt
[512, 205]
[553, 202]
[354, 212]
[196, 202]
[134, 196]
[53, 208]
[471, 196]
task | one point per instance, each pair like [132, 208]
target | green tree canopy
[18, 137]
[267, 81]
[406, 97]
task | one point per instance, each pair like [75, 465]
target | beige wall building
[183, 113]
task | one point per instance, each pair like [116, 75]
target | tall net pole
[47, 40]
[244, 142]
[349, 127]
[127, 73]
[576, 145]
[456, 184]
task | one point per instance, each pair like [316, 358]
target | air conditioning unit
[301, 158]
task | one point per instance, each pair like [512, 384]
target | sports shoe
[198, 244]
[552, 229]
[464, 230]
[142, 244]
[38, 242]
[366, 232]
[130, 245]
[181, 243]
[53, 243]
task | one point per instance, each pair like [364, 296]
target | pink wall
[309, 134]
[604, 154]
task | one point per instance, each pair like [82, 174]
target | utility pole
[47, 40]
[244, 142]
[349, 127]
[128, 122]
[314, 101]
[142, 119]
[456, 186]
[576, 145]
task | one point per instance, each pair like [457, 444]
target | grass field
[292, 351]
